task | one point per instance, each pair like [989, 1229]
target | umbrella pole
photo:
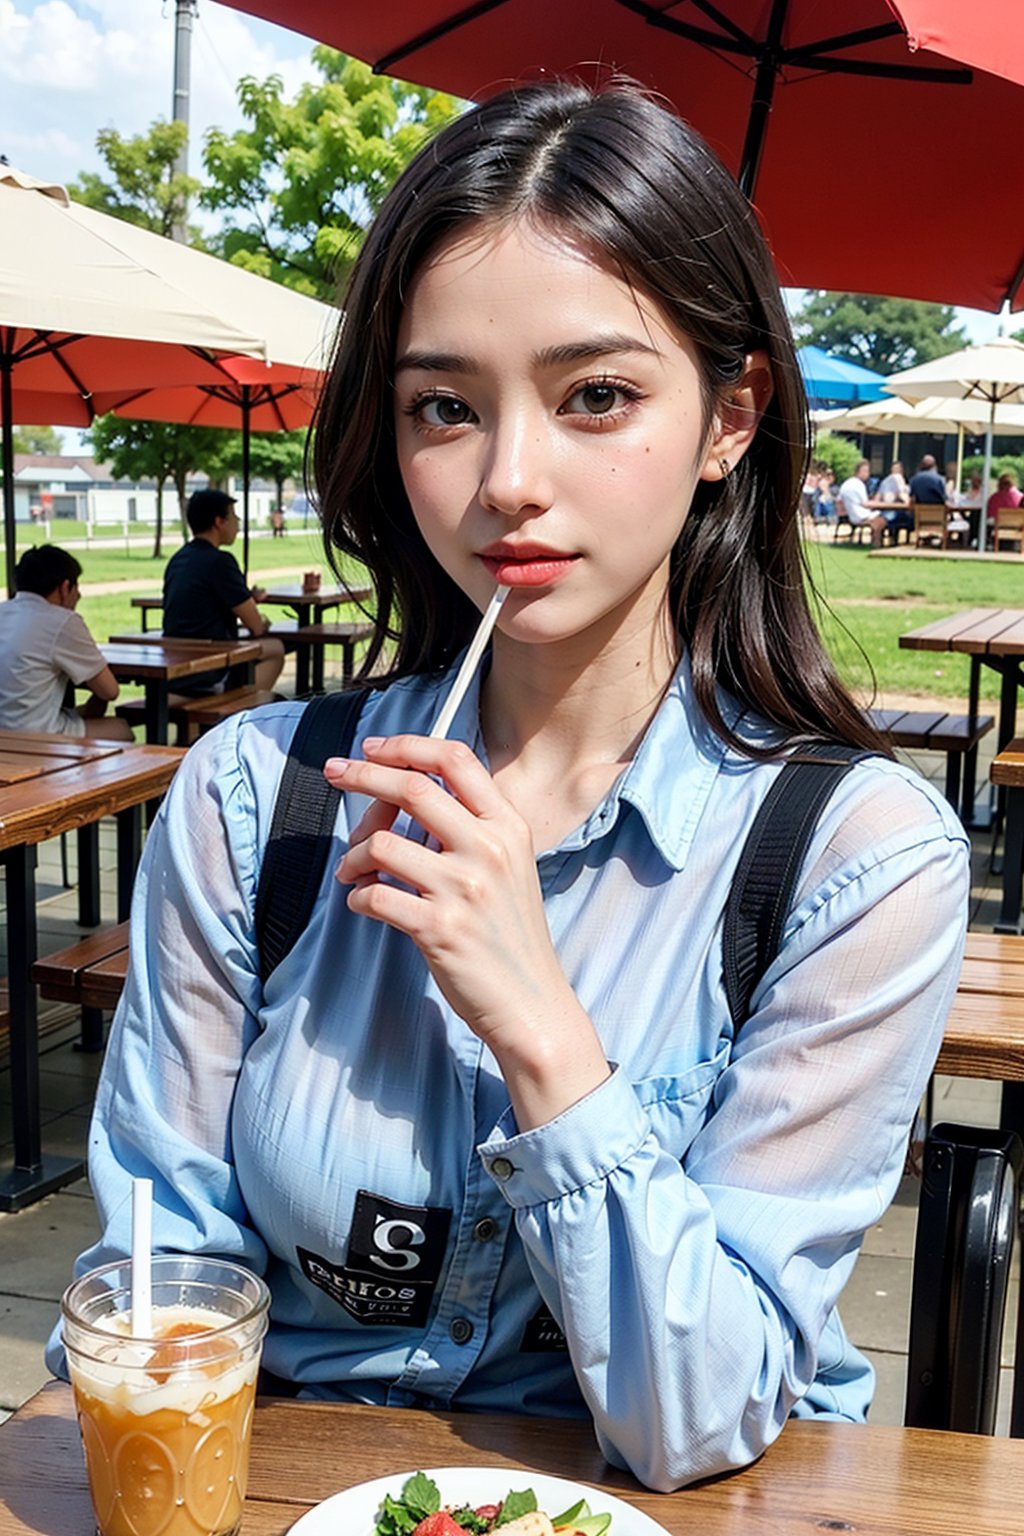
[7, 425]
[986, 475]
[769, 56]
[246, 411]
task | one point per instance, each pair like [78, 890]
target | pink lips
[526, 565]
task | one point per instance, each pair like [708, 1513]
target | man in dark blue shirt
[928, 486]
[205, 593]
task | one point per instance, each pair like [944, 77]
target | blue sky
[71, 67]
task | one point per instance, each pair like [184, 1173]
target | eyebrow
[612, 343]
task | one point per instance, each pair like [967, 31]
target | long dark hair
[627, 178]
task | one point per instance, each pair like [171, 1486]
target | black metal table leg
[970, 778]
[156, 712]
[33, 1175]
[301, 670]
[1012, 864]
[129, 851]
[89, 875]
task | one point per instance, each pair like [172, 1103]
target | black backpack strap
[769, 864]
[303, 825]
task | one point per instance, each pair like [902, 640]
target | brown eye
[598, 399]
[445, 411]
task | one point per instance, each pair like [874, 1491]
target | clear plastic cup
[166, 1421]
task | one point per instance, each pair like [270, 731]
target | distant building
[56, 487]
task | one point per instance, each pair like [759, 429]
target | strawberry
[440, 1524]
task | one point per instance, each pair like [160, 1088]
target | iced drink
[166, 1420]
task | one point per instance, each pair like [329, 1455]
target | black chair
[967, 1221]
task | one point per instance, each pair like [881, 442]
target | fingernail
[337, 765]
[371, 742]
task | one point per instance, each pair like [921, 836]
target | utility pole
[185, 10]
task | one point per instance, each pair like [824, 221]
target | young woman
[488, 1129]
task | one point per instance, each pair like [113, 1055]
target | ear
[737, 417]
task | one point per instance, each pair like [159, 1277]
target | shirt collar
[669, 780]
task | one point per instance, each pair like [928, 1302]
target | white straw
[142, 1249]
[442, 724]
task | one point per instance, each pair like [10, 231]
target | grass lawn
[865, 604]
[868, 603]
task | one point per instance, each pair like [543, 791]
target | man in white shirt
[858, 506]
[45, 646]
[894, 487]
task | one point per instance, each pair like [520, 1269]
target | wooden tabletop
[27, 754]
[817, 1478]
[984, 1034]
[77, 790]
[165, 657]
[323, 597]
[974, 631]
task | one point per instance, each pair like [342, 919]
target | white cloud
[71, 67]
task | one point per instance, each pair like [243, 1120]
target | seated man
[205, 595]
[858, 507]
[45, 647]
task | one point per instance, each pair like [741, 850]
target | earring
[723, 465]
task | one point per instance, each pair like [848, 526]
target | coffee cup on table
[166, 1419]
[311, 581]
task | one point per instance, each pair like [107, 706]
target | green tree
[277, 456]
[303, 179]
[160, 451]
[883, 334]
[37, 440]
[841, 456]
[144, 188]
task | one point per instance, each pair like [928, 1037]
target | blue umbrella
[833, 381]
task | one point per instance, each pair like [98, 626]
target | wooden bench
[192, 716]
[314, 639]
[90, 974]
[955, 735]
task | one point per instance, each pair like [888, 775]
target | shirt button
[485, 1230]
[502, 1168]
[461, 1330]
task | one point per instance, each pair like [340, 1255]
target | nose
[516, 472]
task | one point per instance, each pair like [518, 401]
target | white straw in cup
[142, 1253]
[442, 724]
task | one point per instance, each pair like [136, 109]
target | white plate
[354, 1512]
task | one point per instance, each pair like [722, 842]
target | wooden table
[816, 1478]
[991, 637]
[147, 605]
[76, 783]
[304, 604]
[158, 663]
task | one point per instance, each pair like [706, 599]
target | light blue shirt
[690, 1224]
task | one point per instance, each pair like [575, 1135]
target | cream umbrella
[933, 414]
[88, 302]
[989, 377]
[276, 392]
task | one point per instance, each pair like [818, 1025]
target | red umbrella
[873, 137]
[247, 394]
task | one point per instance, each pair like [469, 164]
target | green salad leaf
[579, 1515]
[519, 1502]
[420, 1497]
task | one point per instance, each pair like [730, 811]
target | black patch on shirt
[542, 1335]
[394, 1260]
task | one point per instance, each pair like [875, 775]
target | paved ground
[38, 1246]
